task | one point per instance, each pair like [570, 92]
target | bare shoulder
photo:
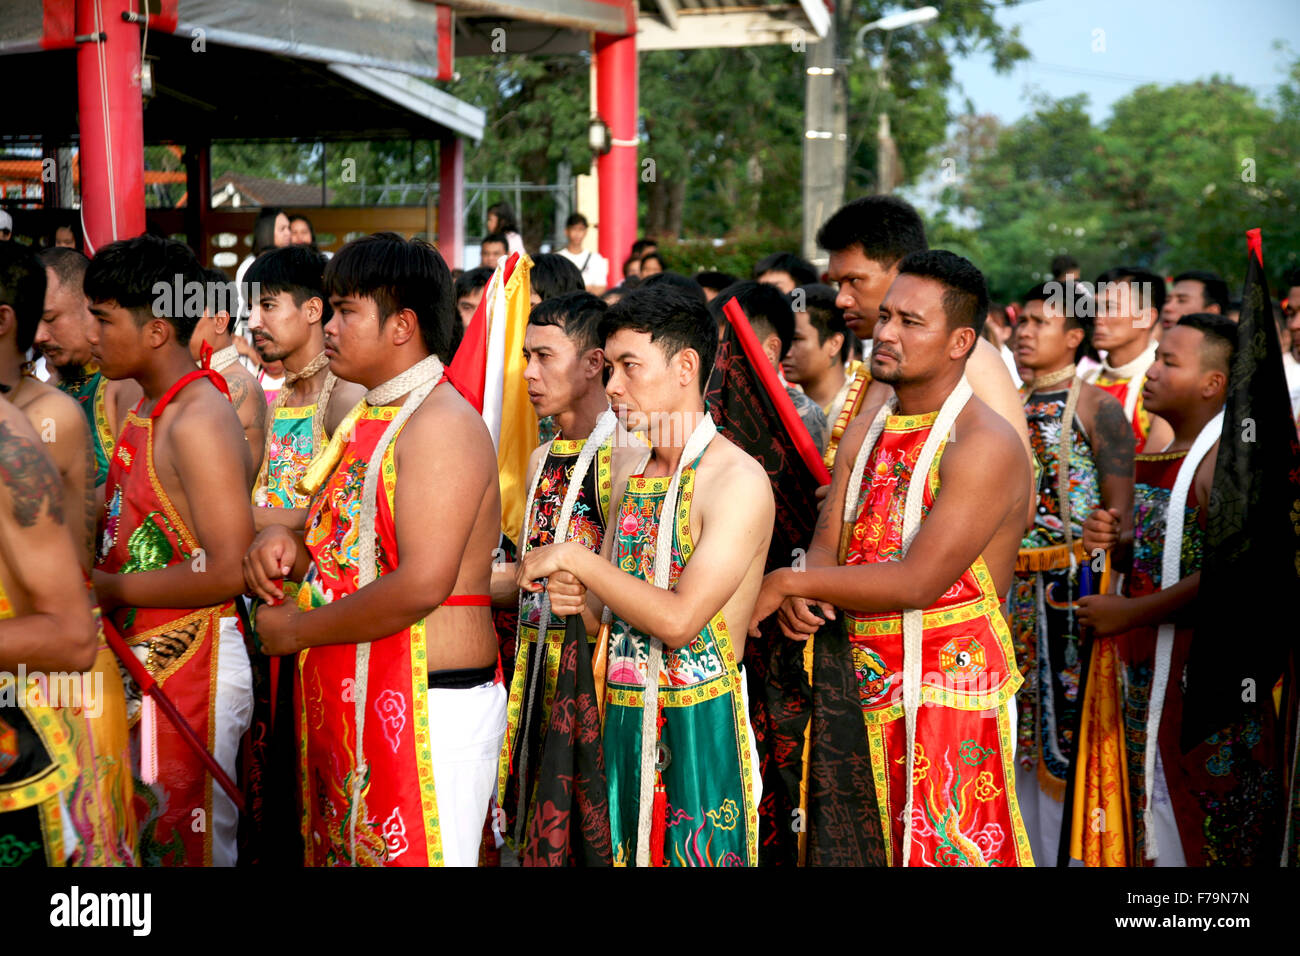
[982, 435]
[62, 409]
[28, 479]
[202, 406]
[344, 397]
[447, 421]
[728, 472]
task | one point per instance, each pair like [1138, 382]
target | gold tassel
[323, 465]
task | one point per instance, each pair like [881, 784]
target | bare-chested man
[56, 416]
[568, 481]
[1084, 447]
[64, 337]
[936, 713]
[866, 240]
[215, 329]
[679, 573]
[174, 530]
[287, 322]
[99, 802]
[400, 653]
[46, 626]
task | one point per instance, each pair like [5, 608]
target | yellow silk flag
[510, 417]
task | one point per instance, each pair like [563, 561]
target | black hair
[965, 297]
[577, 314]
[22, 287]
[800, 270]
[264, 229]
[1216, 289]
[68, 264]
[640, 246]
[469, 282]
[1220, 339]
[1291, 279]
[398, 274]
[717, 281]
[575, 219]
[1142, 279]
[69, 224]
[766, 307]
[496, 237]
[628, 261]
[298, 270]
[1063, 264]
[886, 227]
[677, 281]
[824, 315]
[507, 221]
[127, 271]
[310, 227]
[1075, 300]
[221, 296]
[552, 274]
[657, 258]
[674, 320]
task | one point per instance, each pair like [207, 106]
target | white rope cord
[260, 492]
[222, 359]
[912, 618]
[600, 434]
[695, 445]
[1170, 574]
[1134, 371]
[418, 380]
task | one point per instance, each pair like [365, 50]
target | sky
[1137, 42]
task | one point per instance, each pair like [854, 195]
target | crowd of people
[257, 604]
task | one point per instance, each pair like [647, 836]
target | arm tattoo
[259, 413]
[30, 478]
[238, 392]
[1113, 441]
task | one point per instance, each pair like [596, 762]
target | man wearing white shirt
[1291, 357]
[593, 266]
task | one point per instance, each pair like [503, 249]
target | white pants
[466, 728]
[234, 715]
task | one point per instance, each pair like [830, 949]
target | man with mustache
[63, 336]
[917, 520]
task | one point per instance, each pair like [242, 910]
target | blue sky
[1164, 41]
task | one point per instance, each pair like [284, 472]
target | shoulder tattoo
[33, 483]
[1113, 440]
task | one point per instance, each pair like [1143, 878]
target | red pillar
[451, 200]
[112, 143]
[616, 103]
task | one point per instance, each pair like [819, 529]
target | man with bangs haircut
[866, 239]
[287, 321]
[677, 578]
[917, 573]
[571, 487]
[175, 526]
[394, 566]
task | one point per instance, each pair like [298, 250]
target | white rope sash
[418, 380]
[1170, 574]
[913, 617]
[703, 433]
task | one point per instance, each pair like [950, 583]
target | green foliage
[736, 255]
[1165, 182]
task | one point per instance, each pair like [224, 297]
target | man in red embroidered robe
[938, 714]
[398, 648]
[174, 529]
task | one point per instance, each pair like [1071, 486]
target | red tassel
[659, 809]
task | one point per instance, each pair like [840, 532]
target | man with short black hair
[1084, 448]
[469, 292]
[678, 573]
[1195, 290]
[213, 346]
[914, 545]
[866, 239]
[175, 526]
[714, 282]
[395, 566]
[593, 266]
[1128, 304]
[493, 249]
[63, 337]
[569, 500]
[785, 270]
[820, 348]
[552, 274]
[772, 320]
